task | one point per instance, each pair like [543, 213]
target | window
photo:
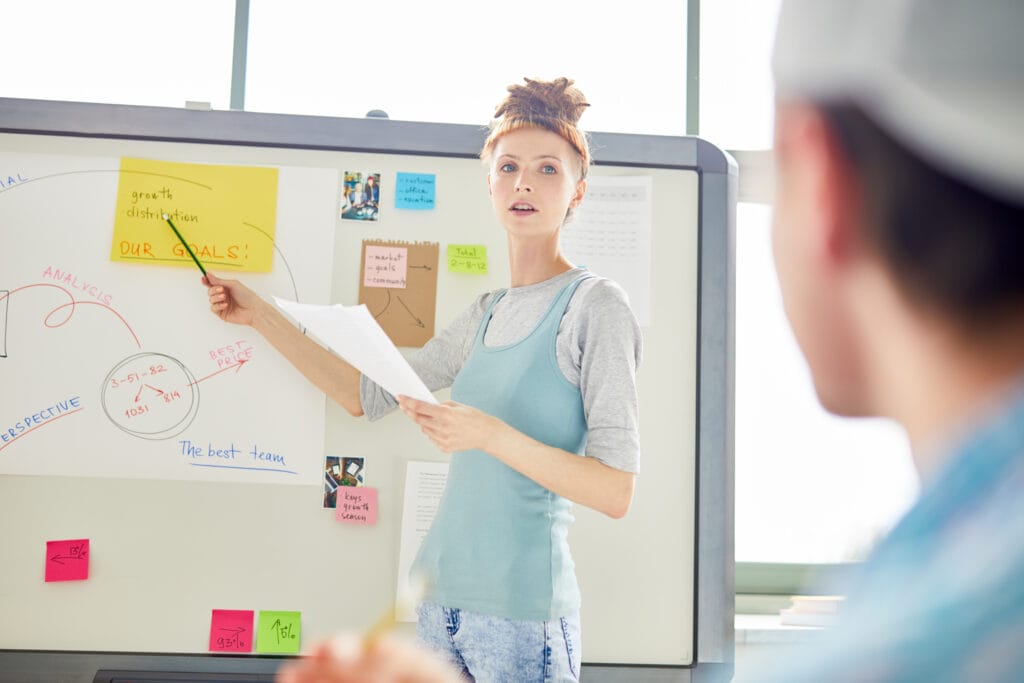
[118, 51]
[449, 61]
[811, 488]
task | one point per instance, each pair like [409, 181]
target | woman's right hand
[231, 301]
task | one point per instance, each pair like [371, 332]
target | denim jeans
[490, 649]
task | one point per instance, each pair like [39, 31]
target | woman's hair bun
[536, 99]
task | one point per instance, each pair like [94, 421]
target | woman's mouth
[522, 209]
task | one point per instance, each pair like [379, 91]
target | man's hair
[951, 246]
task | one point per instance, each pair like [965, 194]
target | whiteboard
[123, 360]
[171, 541]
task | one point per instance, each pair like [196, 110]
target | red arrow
[159, 392]
[237, 365]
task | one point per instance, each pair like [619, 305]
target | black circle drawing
[151, 396]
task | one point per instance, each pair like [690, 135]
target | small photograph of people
[339, 471]
[360, 196]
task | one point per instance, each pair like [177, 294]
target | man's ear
[841, 196]
[830, 180]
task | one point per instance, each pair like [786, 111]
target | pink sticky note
[231, 630]
[356, 505]
[67, 560]
[385, 266]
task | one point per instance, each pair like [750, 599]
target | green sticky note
[279, 632]
[467, 258]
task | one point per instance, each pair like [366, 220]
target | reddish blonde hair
[553, 105]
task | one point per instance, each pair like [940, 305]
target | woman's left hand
[452, 426]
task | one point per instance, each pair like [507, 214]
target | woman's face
[533, 181]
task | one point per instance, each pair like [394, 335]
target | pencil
[185, 244]
[388, 620]
[384, 624]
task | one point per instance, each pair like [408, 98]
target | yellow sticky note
[226, 214]
[467, 258]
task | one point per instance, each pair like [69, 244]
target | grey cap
[944, 77]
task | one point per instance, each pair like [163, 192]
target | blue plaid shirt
[942, 596]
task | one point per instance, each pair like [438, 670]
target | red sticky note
[356, 505]
[231, 630]
[67, 560]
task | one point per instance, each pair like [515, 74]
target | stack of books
[811, 610]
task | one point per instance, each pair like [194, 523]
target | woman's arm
[233, 302]
[587, 481]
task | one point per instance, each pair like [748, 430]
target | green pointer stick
[185, 244]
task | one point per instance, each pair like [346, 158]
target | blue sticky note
[414, 191]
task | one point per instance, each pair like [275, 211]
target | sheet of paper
[424, 486]
[398, 284]
[227, 214]
[611, 235]
[352, 333]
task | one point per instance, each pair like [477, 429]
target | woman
[543, 409]
[372, 191]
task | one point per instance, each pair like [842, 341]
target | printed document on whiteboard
[424, 487]
[352, 333]
[611, 235]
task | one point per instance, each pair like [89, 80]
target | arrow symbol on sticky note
[58, 558]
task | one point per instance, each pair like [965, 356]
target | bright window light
[118, 51]
[451, 60]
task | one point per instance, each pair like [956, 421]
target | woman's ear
[581, 191]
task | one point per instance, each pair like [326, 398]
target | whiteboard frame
[714, 495]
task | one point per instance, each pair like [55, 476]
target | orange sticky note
[231, 630]
[67, 560]
[356, 505]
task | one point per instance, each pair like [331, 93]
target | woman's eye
[507, 168]
[548, 169]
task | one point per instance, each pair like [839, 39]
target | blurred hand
[452, 426]
[232, 301]
[346, 659]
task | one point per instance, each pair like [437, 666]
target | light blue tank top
[498, 542]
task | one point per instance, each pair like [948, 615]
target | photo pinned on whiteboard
[360, 196]
[341, 471]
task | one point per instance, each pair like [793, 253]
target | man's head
[899, 149]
